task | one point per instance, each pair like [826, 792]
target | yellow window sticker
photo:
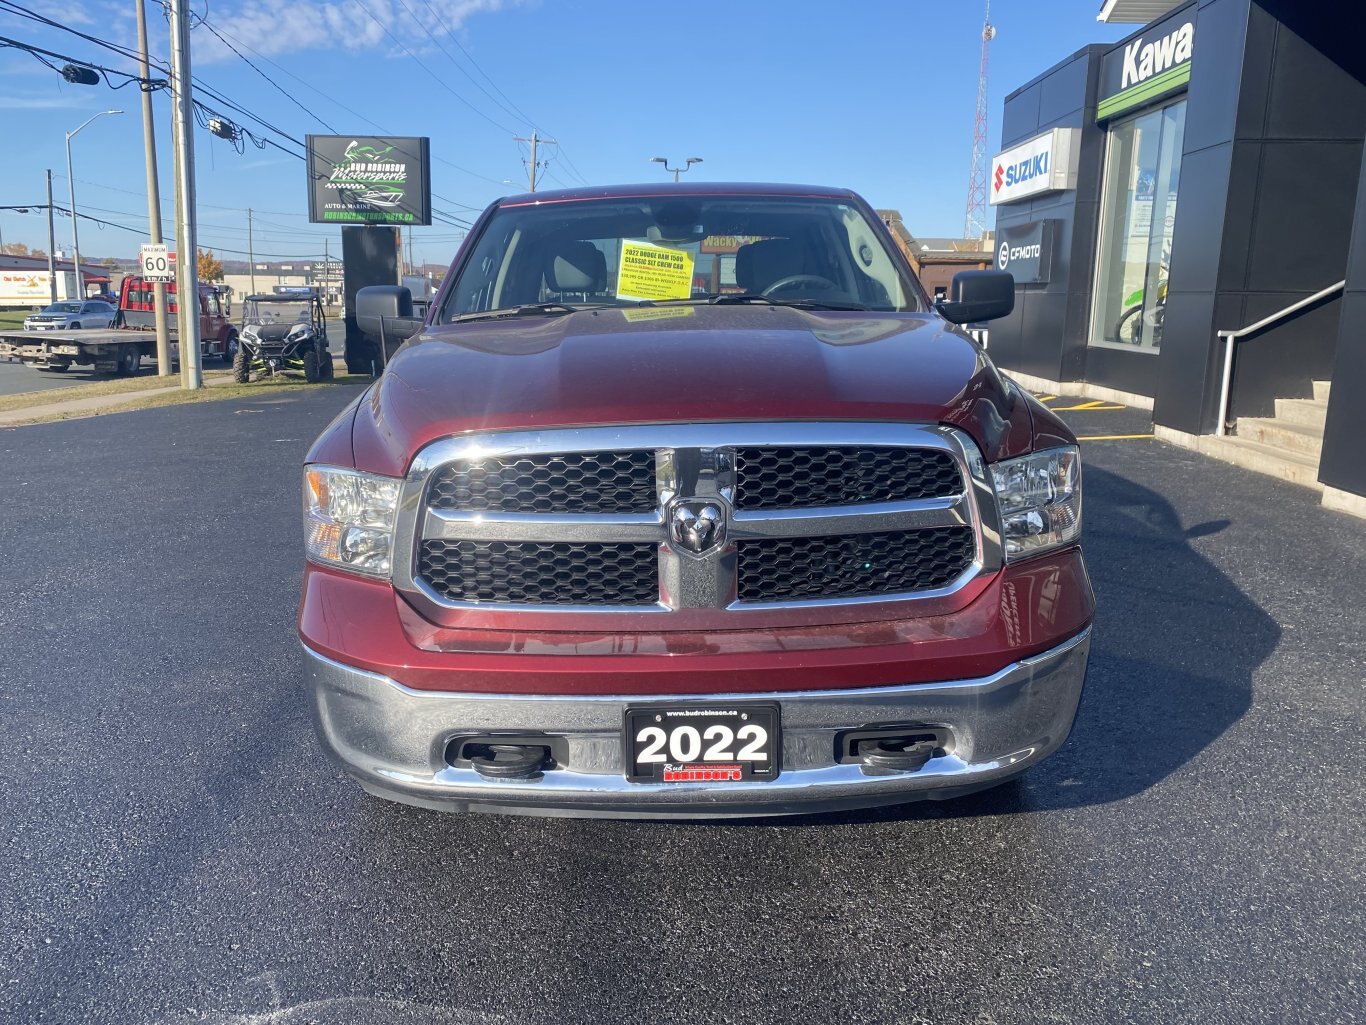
[653, 272]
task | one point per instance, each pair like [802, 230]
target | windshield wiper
[527, 310]
[722, 299]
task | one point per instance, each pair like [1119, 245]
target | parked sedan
[71, 315]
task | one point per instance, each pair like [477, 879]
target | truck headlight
[349, 518]
[1039, 496]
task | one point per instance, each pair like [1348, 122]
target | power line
[41, 55]
[515, 110]
[279, 88]
[436, 18]
[373, 124]
[203, 108]
[162, 66]
[142, 232]
[439, 80]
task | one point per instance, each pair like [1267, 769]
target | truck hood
[683, 365]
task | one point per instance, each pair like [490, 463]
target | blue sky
[876, 95]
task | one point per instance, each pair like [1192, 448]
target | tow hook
[887, 755]
[508, 761]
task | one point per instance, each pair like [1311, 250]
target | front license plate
[723, 743]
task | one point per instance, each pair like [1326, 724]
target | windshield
[791, 250]
[258, 312]
[64, 308]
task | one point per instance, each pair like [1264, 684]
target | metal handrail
[1231, 338]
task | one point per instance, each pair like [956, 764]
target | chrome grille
[606, 520]
[529, 573]
[807, 478]
[576, 482]
[852, 566]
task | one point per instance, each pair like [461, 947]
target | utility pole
[51, 243]
[534, 140]
[153, 195]
[251, 254]
[187, 270]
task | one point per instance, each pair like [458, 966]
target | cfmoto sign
[1045, 163]
[1007, 253]
[1026, 250]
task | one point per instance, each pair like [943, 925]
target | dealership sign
[1148, 66]
[1045, 163]
[1026, 250]
[362, 179]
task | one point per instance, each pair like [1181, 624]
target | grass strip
[270, 387]
[109, 386]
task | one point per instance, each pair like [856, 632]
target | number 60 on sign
[156, 262]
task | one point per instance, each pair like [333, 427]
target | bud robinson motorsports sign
[361, 179]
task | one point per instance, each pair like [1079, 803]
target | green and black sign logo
[1147, 66]
[369, 180]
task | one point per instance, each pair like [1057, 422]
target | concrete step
[1308, 412]
[1321, 389]
[1253, 455]
[1289, 437]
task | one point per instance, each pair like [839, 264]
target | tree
[210, 267]
[37, 252]
[15, 249]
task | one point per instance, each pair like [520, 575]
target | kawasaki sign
[361, 179]
[1148, 66]
[1045, 163]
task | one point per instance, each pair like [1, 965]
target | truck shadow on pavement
[1173, 652]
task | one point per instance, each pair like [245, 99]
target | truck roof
[668, 188]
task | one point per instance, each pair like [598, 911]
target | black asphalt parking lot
[176, 851]
[17, 378]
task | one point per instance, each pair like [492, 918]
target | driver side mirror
[978, 295]
[386, 312]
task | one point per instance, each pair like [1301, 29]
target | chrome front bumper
[393, 739]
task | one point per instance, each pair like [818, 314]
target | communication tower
[975, 221]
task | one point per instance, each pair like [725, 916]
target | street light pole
[676, 170]
[71, 181]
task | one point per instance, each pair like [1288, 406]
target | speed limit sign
[157, 262]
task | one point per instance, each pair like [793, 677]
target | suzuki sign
[1046, 163]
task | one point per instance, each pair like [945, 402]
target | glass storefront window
[1138, 209]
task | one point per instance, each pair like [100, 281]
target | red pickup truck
[684, 501]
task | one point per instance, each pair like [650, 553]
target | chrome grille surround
[692, 463]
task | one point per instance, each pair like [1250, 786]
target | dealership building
[1201, 176]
